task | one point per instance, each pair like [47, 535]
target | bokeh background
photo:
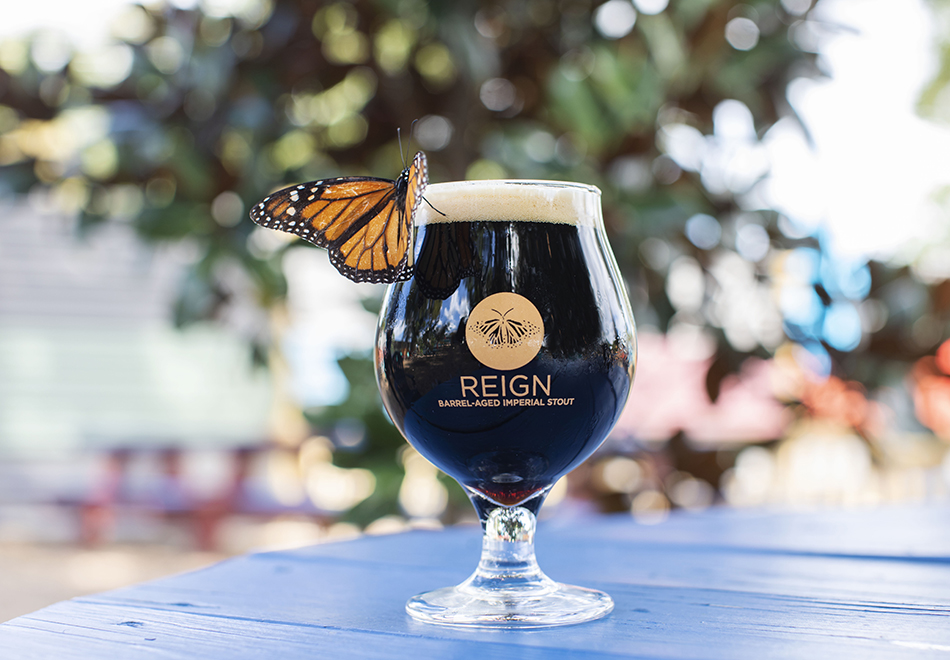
[178, 385]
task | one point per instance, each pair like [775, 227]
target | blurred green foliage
[935, 98]
[194, 116]
[213, 106]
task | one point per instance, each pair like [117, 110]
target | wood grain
[722, 584]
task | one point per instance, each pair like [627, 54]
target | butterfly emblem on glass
[365, 223]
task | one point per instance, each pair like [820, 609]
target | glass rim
[540, 183]
[511, 200]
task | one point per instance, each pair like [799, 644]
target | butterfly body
[365, 223]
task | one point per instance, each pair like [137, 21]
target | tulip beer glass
[505, 361]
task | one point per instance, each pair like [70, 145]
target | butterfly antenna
[432, 207]
[412, 129]
[402, 154]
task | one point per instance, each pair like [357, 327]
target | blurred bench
[193, 489]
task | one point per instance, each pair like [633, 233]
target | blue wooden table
[720, 584]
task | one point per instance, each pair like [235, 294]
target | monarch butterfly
[365, 223]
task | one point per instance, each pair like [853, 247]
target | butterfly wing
[445, 257]
[417, 178]
[365, 223]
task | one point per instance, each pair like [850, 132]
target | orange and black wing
[365, 223]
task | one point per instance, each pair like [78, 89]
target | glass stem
[508, 560]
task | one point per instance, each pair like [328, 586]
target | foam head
[512, 200]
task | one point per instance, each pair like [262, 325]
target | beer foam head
[511, 200]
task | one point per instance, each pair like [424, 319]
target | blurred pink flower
[669, 395]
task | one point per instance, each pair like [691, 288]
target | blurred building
[91, 364]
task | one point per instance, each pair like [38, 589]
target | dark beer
[453, 383]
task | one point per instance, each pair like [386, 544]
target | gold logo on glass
[504, 331]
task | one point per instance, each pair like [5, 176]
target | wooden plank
[449, 557]
[104, 631]
[676, 597]
[656, 622]
[895, 531]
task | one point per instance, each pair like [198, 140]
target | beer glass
[505, 361]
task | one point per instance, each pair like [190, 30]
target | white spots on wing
[291, 210]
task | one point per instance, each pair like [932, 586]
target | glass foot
[508, 590]
[560, 605]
